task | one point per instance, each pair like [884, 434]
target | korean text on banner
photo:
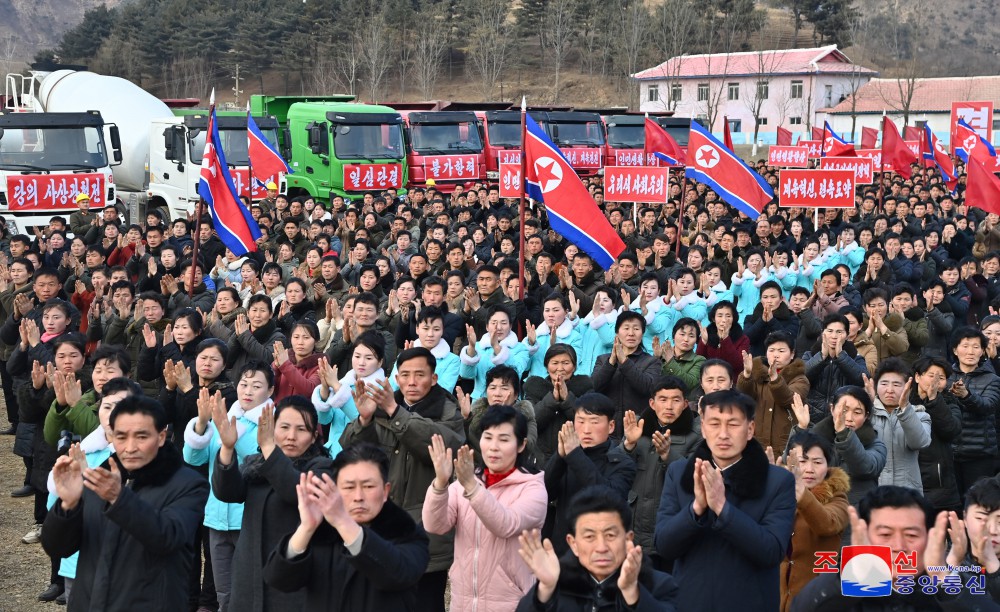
[788, 157]
[647, 184]
[816, 188]
[862, 167]
[361, 177]
[510, 180]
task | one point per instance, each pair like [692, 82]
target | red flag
[727, 138]
[817, 133]
[982, 188]
[932, 153]
[784, 137]
[662, 145]
[895, 151]
[911, 132]
[869, 138]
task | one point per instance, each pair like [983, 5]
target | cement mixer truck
[51, 151]
[156, 155]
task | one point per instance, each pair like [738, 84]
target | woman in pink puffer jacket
[488, 508]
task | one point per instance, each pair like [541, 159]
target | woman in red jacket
[296, 371]
[724, 338]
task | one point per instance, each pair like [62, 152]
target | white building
[782, 88]
[930, 103]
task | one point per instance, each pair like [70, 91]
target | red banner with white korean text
[509, 156]
[876, 156]
[636, 184]
[29, 192]
[510, 180]
[361, 177]
[582, 157]
[864, 173]
[634, 157]
[241, 179]
[451, 167]
[816, 188]
[815, 147]
[788, 157]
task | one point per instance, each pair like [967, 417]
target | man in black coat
[353, 549]
[586, 456]
[605, 572]
[726, 512]
[133, 524]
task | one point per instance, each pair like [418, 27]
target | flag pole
[680, 214]
[249, 164]
[199, 209]
[881, 169]
[521, 204]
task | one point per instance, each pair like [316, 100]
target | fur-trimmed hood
[837, 482]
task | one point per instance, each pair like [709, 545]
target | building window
[734, 91]
[795, 121]
[735, 125]
[828, 95]
[654, 93]
[761, 121]
[675, 92]
[762, 87]
[796, 90]
[702, 92]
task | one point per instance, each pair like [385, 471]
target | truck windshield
[234, 145]
[371, 142]
[588, 133]
[626, 136]
[53, 148]
[504, 134]
[437, 138]
[680, 134]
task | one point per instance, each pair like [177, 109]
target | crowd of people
[366, 414]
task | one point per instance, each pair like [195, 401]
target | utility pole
[236, 90]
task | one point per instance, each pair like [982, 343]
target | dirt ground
[24, 568]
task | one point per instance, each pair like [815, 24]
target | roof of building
[817, 60]
[929, 95]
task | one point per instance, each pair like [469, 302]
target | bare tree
[632, 34]
[490, 41]
[765, 64]
[375, 43]
[723, 34]
[561, 30]
[347, 61]
[861, 31]
[8, 51]
[900, 52]
[429, 47]
[325, 75]
[676, 25]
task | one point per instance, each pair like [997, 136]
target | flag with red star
[549, 178]
[233, 222]
[712, 163]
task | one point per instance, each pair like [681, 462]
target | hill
[567, 51]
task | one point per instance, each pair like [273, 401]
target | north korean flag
[233, 222]
[835, 146]
[573, 214]
[264, 157]
[661, 144]
[968, 143]
[715, 165]
[934, 153]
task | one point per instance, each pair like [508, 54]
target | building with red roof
[784, 87]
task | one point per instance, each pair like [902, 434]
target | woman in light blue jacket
[201, 444]
[747, 282]
[333, 397]
[559, 326]
[599, 328]
[654, 307]
[498, 346]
